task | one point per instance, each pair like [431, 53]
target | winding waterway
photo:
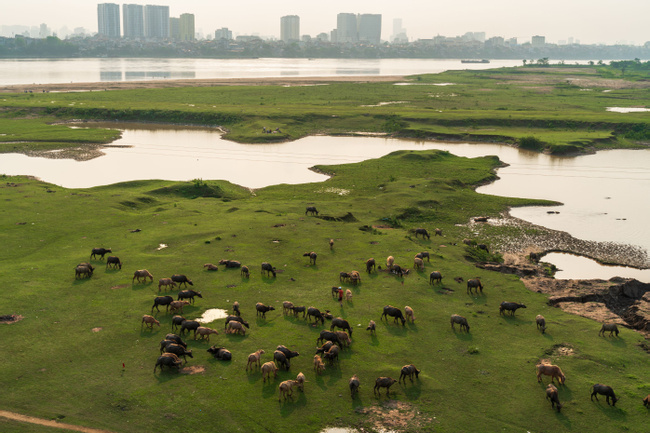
[603, 194]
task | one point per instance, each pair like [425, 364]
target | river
[90, 70]
[602, 202]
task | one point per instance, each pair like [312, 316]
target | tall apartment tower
[108, 20]
[133, 21]
[369, 29]
[187, 32]
[346, 28]
[290, 28]
[223, 33]
[156, 22]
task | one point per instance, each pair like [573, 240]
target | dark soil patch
[10, 318]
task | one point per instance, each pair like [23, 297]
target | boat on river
[475, 61]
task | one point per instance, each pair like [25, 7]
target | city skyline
[590, 21]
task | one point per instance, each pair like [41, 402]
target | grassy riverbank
[64, 359]
[555, 109]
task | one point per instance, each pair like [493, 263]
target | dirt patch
[396, 415]
[193, 369]
[48, 423]
[121, 286]
[11, 318]
[96, 329]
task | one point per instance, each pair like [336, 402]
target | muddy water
[604, 195]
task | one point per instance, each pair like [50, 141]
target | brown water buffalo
[550, 370]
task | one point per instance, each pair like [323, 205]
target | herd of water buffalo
[173, 348]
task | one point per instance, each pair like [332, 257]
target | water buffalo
[99, 252]
[510, 306]
[370, 265]
[281, 360]
[113, 262]
[475, 284]
[142, 274]
[181, 279]
[236, 319]
[261, 308]
[161, 300]
[315, 312]
[190, 325]
[435, 277]
[354, 385]
[268, 268]
[83, 271]
[312, 257]
[603, 390]
[422, 255]
[540, 321]
[409, 371]
[394, 312]
[383, 382]
[230, 263]
[167, 361]
[455, 318]
[178, 351]
[422, 232]
[551, 394]
[550, 370]
[341, 323]
[311, 210]
[329, 336]
[189, 294]
[608, 327]
[220, 353]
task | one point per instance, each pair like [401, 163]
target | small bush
[531, 143]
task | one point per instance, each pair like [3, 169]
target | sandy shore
[208, 82]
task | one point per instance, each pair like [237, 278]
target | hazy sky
[589, 21]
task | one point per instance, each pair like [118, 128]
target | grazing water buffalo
[541, 323]
[161, 300]
[398, 270]
[315, 312]
[177, 321]
[510, 306]
[435, 277]
[189, 294]
[312, 257]
[83, 271]
[268, 268]
[178, 351]
[190, 325]
[181, 279]
[354, 385]
[281, 360]
[176, 339]
[422, 232]
[142, 274]
[551, 394]
[394, 312]
[422, 255]
[99, 252]
[341, 323]
[165, 282]
[383, 382]
[261, 308]
[311, 210]
[603, 390]
[475, 284]
[236, 319]
[332, 354]
[370, 265]
[299, 309]
[455, 318]
[550, 370]
[245, 272]
[287, 352]
[372, 327]
[113, 262]
[167, 361]
[329, 336]
[611, 327]
[646, 401]
[409, 371]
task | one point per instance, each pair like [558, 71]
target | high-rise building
[156, 22]
[108, 20]
[187, 27]
[133, 21]
[290, 28]
[538, 41]
[175, 28]
[223, 33]
[369, 28]
[346, 28]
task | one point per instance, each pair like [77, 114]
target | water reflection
[572, 267]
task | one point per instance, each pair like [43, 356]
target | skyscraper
[346, 28]
[187, 27]
[108, 20]
[290, 28]
[369, 29]
[156, 22]
[133, 21]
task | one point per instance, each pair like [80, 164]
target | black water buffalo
[435, 277]
[311, 210]
[301, 309]
[370, 265]
[113, 262]
[315, 312]
[329, 336]
[603, 390]
[510, 306]
[422, 232]
[281, 359]
[188, 294]
[341, 323]
[354, 385]
[383, 382]
[167, 361]
[99, 252]
[312, 257]
[394, 312]
[190, 325]
[230, 263]
[83, 270]
[176, 339]
[161, 300]
[220, 353]
[261, 308]
[177, 321]
[409, 371]
[178, 351]
[287, 352]
[422, 255]
[181, 279]
[552, 394]
[268, 268]
[474, 284]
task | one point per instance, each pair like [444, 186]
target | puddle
[212, 314]
[628, 109]
[579, 267]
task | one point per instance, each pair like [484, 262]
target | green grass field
[65, 359]
[563, 107]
